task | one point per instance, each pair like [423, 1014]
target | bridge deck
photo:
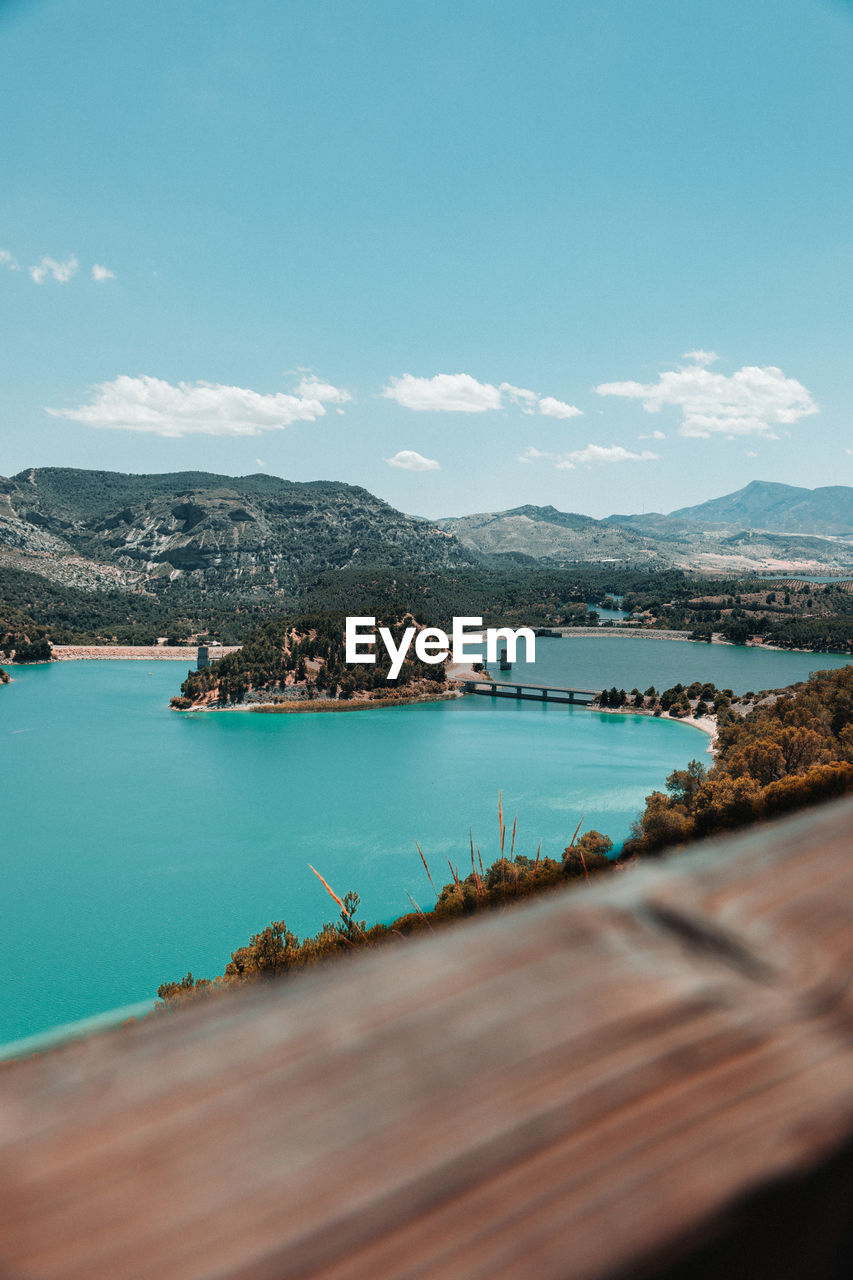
[525, 690]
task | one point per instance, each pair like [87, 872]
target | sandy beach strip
[140, 652]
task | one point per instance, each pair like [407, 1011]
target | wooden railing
[648, 1077]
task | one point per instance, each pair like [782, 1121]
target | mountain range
[260, 536]
[763, 526]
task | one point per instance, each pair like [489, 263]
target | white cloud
[701, 357]
[61, 272]
[750, 453]
[411, 461]
[460, 393]
[850, 451]
[602, 453]
[749, 402]
[521, 395]
[313, 388]
[558, 408]
[531, 453]
[100, 272]
[259, 462]
[586, 457]
[191, 408]
[7, 259]
[652, 435]
[445, 393]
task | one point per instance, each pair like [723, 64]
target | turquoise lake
[139, 843]
[593, 662]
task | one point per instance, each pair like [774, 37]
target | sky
[467, 254]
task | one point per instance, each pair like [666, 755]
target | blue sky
[468, 255]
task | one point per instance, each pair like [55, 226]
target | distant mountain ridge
[760, 505]
[762, 527]
[240, 535]
[260, 537]
[779, 508]
[547, 536]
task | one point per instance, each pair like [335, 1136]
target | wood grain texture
[651, 1076]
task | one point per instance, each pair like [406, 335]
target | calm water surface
[593, 662]
[138, 843]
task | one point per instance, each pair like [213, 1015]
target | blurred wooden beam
[648, 1077]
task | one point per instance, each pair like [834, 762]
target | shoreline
[133, 652]
[296, 706]
[179, 653]
[639, 633]
[705, 724]
[334, 704]
[457, 673]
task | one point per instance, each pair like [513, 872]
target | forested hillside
[792, 750]
[242, 537]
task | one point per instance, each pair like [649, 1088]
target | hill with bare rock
[245, 536]
[557, 538]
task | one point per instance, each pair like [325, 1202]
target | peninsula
[300, 665]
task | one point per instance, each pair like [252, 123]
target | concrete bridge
[521, 690]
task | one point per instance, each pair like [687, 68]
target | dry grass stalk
[420, 913]
[455, 873]
[512, 845]
[501, 827]
[536, 866]
[478, 883]
[330, 891]
[580, 850]
[426, 868]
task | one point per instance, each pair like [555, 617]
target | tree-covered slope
[793, 749]
[302, 659]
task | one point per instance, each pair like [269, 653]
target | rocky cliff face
[248, 535]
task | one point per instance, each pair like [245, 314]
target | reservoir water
[138, 843]
[593, 662]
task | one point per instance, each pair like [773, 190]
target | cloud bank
[101, 273]
[198, 408]
[409, 460]
[460, 393]
[750, 402]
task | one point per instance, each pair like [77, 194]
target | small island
[298, 664]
